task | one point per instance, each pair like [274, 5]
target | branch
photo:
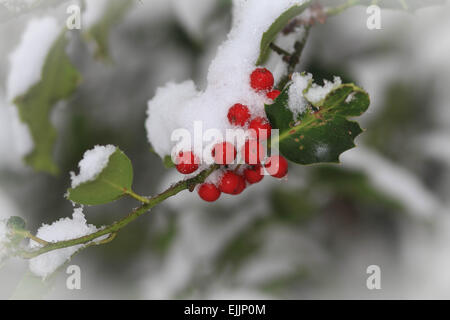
[294, 59]
[318, 14]
[112, 229]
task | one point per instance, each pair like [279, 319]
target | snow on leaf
[181, 105]
[61, 230]
[104, 177]
[322, 132]
[58, 81]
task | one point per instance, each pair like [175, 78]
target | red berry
[241, 186]
[224, 153]
[277, 166]
[209, 192]
[273, 94]
[261, 80]
[253, 174]
[186, 162]
[231, 183]
[262, 128]
[238, 115]
[253, 152]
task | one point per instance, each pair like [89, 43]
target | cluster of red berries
[231, 182]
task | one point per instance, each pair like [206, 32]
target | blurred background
[311, 237]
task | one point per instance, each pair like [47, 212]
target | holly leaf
[111, 184]
[168, 163]
[323, 132]
[59, 80]
[270, 35]
[99, 32]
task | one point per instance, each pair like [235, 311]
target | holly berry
[261, 80]
[238, 115]
[253, 174]
[241, 186]
[262, 130]
[224, 153]
[273, 94]
[253, 152]
[209, 192]
[277, 166]
[231, 183]
[186, 162]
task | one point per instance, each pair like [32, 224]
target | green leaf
[111, 184]
[99, 32]
[59, 80]
[270, 35]
[321, 133]
[168, 163]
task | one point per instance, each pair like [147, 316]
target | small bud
[16, 223]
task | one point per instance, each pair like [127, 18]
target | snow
[23, 141]
[3, 231]
[215, 177]
[93, 163]
[93, 12]
[7, 209]
[28, 59]
[15, 137]
[178, 106]
[322, 151]
[317, 93]
[63, 229]
[3, 240]
[297, 102]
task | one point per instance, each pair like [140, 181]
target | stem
[294, 59]
[112, 229]
[27, 234]
[279, 50]
[136, 196]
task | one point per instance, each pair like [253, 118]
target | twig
[294, 59]
[117, 226]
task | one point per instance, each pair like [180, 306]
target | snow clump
[177, 106]
[63, 229]
[93, 163]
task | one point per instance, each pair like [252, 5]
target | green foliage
[352, 186]
[270, 35]
[168, 163]
[59, 80]
[402, 115]
[322, 132]
[99, 33]
[292, 205]
[111, 184]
